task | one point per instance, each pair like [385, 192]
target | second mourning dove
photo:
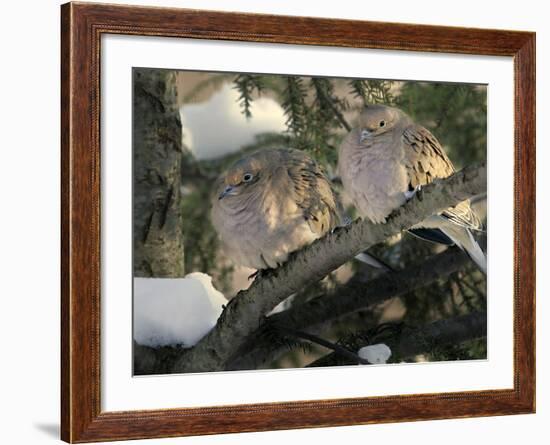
[271, 203]
[385, 159]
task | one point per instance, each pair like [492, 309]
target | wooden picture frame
[82, 26]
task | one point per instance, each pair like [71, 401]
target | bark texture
[353, 296]
[157, 143]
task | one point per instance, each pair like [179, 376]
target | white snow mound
[175, 311]
[375, 354]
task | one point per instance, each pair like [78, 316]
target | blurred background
[224, 116]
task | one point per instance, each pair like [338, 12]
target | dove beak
[229, 190]
[364, 135]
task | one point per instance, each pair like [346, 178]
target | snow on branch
[175, 311]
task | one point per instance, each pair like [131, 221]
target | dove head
[245, 176]
[378, 119]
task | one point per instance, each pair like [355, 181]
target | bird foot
[255, 274]
[409, 194]
[259, 274]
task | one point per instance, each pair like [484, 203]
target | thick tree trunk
[158, 241]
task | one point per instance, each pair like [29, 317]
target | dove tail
[432, 235]
[464, 239]
[371, 260]
[365, 257]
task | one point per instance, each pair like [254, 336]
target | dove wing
[312, 192]
[425, 160]
[424, 157]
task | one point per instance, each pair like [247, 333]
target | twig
[414, 341]
[340, 350]
[330, 101]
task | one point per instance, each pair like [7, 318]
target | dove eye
[382, 124]
[247, 177]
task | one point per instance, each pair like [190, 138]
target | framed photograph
[275, 222]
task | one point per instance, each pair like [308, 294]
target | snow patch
[375, 354]
[175, 311]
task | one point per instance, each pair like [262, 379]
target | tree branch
[411, 341]
[351, 297]
[338, 349]
[262, 347]
[329, 100]
[244, 313]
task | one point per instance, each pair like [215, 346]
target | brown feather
[313, 193]
[427, 161]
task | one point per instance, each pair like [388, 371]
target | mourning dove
[386, 159]
[272, 203]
